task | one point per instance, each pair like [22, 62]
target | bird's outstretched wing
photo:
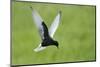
[43, 30]
[39, 48]
[55, 24]
[38, 22]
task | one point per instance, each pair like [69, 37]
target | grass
[76, 33]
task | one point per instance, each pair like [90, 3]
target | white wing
[39, 48]
[38, 21]
[55, 24]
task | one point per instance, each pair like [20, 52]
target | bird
[45, 34]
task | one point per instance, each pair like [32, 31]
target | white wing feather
[55, 24]
[38, 22]
[39, 48]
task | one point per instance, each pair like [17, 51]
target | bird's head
[56, 44]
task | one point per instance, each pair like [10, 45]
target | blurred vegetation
[75, 34]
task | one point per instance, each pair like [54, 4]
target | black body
[47, 41]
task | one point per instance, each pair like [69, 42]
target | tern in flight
[45, 34]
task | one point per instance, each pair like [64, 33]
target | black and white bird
[46, 35]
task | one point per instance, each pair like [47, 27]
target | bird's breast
[47, 42]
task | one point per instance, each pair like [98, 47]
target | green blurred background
[75, 34]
